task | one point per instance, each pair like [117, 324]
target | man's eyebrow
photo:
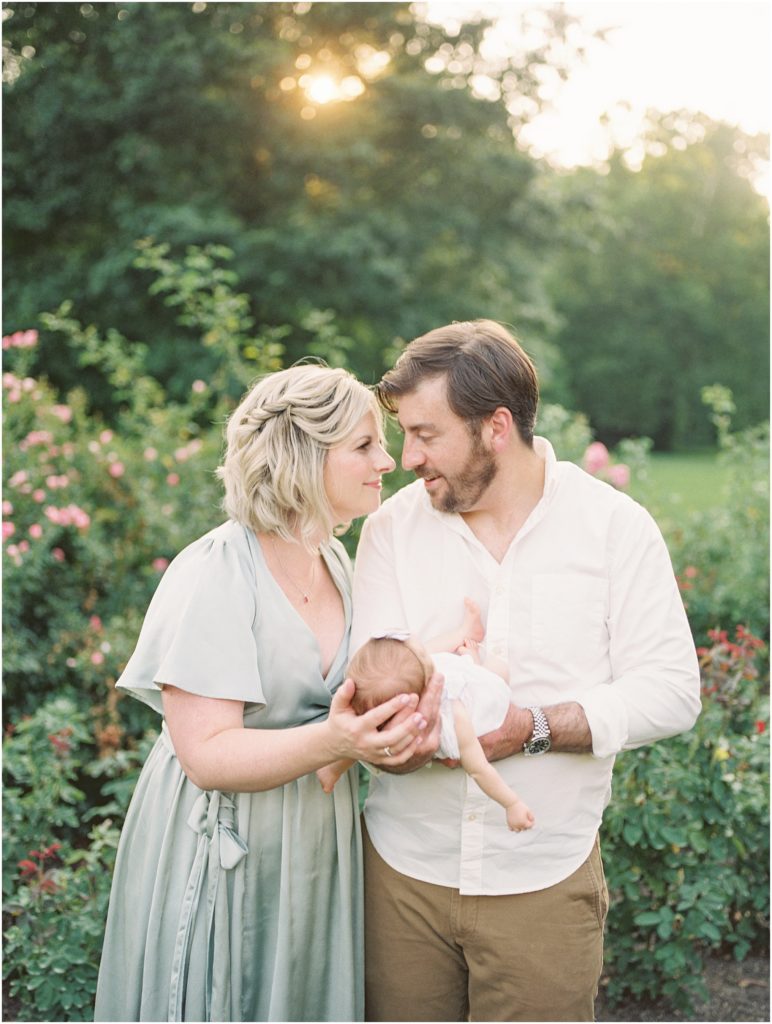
[415, 427]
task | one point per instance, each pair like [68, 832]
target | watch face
[540, 746]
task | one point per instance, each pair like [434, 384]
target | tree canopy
[363, 167]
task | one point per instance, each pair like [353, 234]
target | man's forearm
[569, 730]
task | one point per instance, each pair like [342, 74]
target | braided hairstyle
[276, 444]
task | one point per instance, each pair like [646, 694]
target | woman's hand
[358, 736]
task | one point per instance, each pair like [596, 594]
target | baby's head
[385, 666]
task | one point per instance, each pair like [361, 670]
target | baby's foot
[472, 627]
[328, 776]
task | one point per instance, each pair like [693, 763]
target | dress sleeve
[198, 633]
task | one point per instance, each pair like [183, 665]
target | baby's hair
[385, 666]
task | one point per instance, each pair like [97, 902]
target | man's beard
[465, 488]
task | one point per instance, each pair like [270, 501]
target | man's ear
[498, 429]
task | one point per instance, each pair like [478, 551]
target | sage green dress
[235, 906]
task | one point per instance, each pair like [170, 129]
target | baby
[397, 663]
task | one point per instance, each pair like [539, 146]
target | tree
[402, 203]
[663, 285]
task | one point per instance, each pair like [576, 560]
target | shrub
[686, 836]
[721, 557]
[56, 891]
[95, 508]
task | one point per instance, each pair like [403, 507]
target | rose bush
[96, 505]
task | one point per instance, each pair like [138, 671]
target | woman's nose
[384, 463]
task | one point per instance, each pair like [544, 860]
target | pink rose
[58, 554]
[596, 458]
[619, 475]
[172, 479]
[36, 531]
[150, 454]
[21, 339]
[97, 658]
[78, 517]
[116, 469]
[198, 386]
[62, 412]
[8, 529]
[160, 564]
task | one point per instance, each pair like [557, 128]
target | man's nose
[412, 455]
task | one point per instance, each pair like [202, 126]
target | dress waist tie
[219, 848]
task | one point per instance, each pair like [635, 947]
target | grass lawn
[696, 481]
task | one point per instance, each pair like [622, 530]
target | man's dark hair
[485, 368]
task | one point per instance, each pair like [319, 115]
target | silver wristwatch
[540, 741]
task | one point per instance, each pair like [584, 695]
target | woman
[237, 887]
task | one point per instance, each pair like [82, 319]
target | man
[465, 919]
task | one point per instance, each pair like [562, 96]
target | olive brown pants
[434, 955]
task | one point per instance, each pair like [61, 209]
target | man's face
[456, 466]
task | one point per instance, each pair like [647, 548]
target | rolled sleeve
[654, 691]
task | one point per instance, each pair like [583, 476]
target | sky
[708, 56]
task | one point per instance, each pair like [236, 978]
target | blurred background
[196, 193]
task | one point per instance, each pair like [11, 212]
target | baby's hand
[519, 817]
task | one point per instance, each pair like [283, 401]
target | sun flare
[321, 89]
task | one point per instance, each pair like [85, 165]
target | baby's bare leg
[472, 626]
[330, 774]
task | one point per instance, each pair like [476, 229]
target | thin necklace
[304, 593]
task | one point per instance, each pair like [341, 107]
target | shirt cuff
[607, 717]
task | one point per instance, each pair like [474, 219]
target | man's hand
[510, 736]
[426, 747]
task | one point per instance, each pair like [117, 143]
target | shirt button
[471, 817]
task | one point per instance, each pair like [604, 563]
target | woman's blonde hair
[277, 442]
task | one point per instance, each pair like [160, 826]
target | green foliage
[88, 506]
[663, 275]
[686, 836]
[94, 511]
[56, 876]
[721, 555]
[568, 432]
[192, 123]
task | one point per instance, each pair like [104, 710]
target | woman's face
[353, 471]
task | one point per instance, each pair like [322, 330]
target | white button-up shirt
[585, 607]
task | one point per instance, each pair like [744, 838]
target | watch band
[540, 740]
